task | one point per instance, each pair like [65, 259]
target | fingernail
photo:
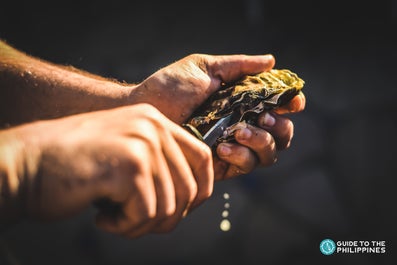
[224, 149]
[244, 134]
[268, 120]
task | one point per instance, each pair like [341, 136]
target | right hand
[135, 157]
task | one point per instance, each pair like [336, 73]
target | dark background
[337, 179]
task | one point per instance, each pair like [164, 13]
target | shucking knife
[217, 130]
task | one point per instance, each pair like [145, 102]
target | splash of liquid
[225, 224]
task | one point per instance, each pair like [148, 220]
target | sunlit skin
[70, 138]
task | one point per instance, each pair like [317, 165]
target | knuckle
[166, 212]
[284, 141]
[147, 215]
[270, 159]
[142, 210]
[196, 56]
[198, 59]
[245, 156]
[134, 160]
[203, 158]
[289, 125]
[148, 108]
[266, 141]
[151, 115]
[206, 155]
[286, 128]
[245, 161]
[204, 194]
[191, 191]
[170, 210]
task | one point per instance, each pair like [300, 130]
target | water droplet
[225, 214]
[226, 196]
[227, 205]
[225, 225]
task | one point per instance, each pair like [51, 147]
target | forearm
[32, 89]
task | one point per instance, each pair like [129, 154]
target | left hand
[178, 89]
[256, 146]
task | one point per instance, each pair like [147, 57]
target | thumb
[228, 68]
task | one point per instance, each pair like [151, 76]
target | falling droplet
[225, 225]
[225, 214]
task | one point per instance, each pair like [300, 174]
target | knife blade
[217, 130]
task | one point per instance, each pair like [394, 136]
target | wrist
[106, 94]
[125, 94]
[167, 101]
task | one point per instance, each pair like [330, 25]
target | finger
[140, 206]
[228, 68]
[184, 183]
[296, 104]
[259, 141]
[241, 157]
[133, 214]
[165, 196]
[199, 157]
[232, 172]
[220, 168]
[280, 127]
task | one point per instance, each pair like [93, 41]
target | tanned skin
[70, 138]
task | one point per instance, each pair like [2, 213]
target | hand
[178, 89]
[274, 132]
[256, 146]
[151, 168]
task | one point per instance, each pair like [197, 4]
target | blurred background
[335, 181]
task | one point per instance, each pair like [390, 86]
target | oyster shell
[245, 100]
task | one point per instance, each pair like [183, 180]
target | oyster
[245, 100]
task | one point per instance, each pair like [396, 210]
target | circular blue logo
[327, 246]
